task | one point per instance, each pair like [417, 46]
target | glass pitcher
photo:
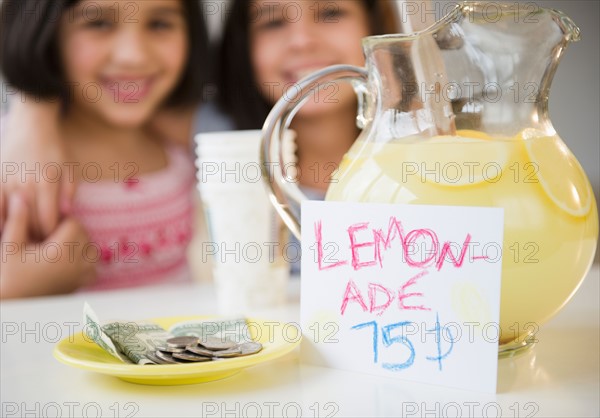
[457, 114]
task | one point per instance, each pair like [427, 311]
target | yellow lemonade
[550, 214]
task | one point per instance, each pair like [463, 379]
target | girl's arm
[34, 164]
[34, 159]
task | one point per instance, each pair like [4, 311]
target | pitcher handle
[282, 188]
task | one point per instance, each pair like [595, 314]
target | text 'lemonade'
[550, 214]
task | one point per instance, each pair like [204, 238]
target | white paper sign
[406, 291]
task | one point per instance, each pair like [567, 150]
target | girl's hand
[57, 265]
[34, 165]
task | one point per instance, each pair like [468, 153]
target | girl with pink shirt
[112, 65]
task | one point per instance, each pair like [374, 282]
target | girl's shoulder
[180, 165]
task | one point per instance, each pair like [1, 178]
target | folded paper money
[190, 341]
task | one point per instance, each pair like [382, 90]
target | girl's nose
[130, 48]
[302, 34]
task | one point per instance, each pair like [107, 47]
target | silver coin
[190, 357]
[231, 352]
[181, 342]
[251, 347]
[167, 349]
[153, 359]
[156, 359]
[216, 344]
[166, 358]
[201, 351]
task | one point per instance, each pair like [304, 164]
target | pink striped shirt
[140, 228]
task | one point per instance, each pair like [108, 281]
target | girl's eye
[99, 24]
[332, 13]
[160, 25]
[272, 24]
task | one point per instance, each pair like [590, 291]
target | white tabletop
[560, 376]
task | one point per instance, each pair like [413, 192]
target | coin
[216, 344]
[167, 349]
[231, 352]
[181, 342]
[250, 348]
[210, 348]
[166, 358]
[196, 349]
[153, 359]
[190, 357]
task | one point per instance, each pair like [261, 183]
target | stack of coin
[191, 349]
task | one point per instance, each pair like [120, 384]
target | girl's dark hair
[239, 95]
[30, 59]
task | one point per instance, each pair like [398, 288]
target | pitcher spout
[570, 30]
[484, 65]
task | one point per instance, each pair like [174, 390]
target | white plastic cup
[246, 237]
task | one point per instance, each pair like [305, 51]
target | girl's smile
[295, 72]
[128, 89]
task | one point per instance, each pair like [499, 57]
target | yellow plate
[277, 339]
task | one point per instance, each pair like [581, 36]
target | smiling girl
[269, 45]
[112, 65]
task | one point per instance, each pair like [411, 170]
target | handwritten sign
[403, 290]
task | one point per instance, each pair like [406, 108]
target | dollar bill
[137, 339]
[94, 331]
[235, 330]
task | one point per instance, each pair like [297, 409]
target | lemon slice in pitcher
[559, 173]
[467, 159]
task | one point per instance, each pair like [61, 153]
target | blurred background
[575, 93]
